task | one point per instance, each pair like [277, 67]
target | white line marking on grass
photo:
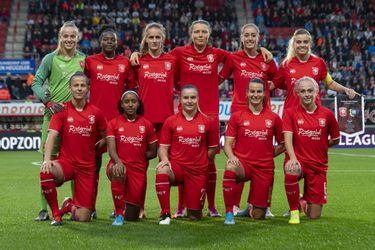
[352, 155]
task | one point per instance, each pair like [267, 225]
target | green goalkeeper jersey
[57, 70]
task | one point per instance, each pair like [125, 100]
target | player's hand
[55, 107]
[163, 164]
[134, 58]
[350, 93]
[47, 166]
[118, 169]
[293, 167]
[267, 55]
[234, 161]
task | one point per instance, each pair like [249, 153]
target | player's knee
[162, 170]
[259, 213]
[194, 214]
[231, 167]
[82, 215]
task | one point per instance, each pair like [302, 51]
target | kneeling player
[79, 125]
[309, 129]
[250, 151]
[131, 141]
[187, 144]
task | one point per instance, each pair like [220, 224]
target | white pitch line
[352, 155]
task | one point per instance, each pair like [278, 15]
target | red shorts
[261, 184]
[194, 186]
[84, 183]
[135, 183]
[315, 188]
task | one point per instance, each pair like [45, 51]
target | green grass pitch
[348, 219]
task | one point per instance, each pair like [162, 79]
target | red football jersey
[315, 67]
[109, 78]
[310, 133]
[201, 69]
[79, 131]
[245, 68]
[254, 135]
[156, 79]
[132, 140]
[189, 141]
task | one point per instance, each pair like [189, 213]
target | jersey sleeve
[151, 135]
[110, 132]
[223, 55]
[41, 76]
[227, 69]
[87, 67]
[323, 70]
[333, 127]
[166, 133]
[232, 126]
[57, 122]
[279, 79]
[278, 130]
[287, 121]
[131, 79]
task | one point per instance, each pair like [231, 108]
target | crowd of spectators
[342, 33]
[130, 17]
[16, 87]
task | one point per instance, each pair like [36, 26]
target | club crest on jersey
[322, 122]
[263, 66]
[268, 123]
[246, 123]
[167, 65]
[91, 119]
[121, 68]
[210, 58]
[343, 111]
[82, 64]
[142, 129]
[70, 119]
[179, 128]
[99, 67]
[201, 128]
[315, 71]
[121, 129]
[300, 121]
[243, 64]
[292, 71]
[146, 66]
[190, 59]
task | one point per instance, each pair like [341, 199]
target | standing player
[156, 80]
[188, 142]
[131, 143]
[309, 129]
[110, 74]
[80, 124]
[250, 151]
[245, 65]
[57, 68]
[301, 62]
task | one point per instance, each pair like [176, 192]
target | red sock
[229, 185]
[292, 190]
[162, 187]
[118, 196]
[181, 203]
[48, 186]
[238, 193]
[211, 185]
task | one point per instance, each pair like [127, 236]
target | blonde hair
[200, 21]
[144, 45]
[306, 79]
[248, 25]
[68, 24]
[290, 50]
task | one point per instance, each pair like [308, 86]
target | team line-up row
[193, 70]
